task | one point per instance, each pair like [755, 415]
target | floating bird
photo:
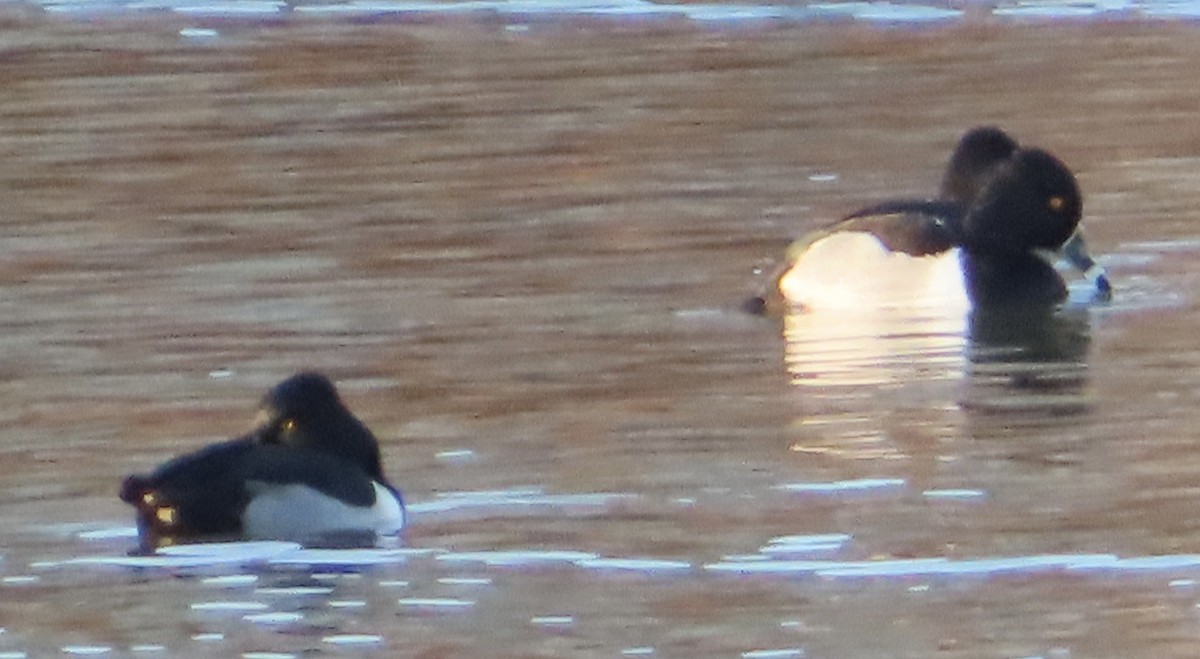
[309, 472]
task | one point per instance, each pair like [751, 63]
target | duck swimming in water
[309, 471]
[1003, 215]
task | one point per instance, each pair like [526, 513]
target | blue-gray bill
[1076, 253]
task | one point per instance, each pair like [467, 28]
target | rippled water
[904, 12]
[521, 253]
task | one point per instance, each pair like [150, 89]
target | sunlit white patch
[836, 487]
[238, 551]
[341, 557]
[464, 581]
[786, 653]
[294, 591]
[229, 606]
[298, 512]
[190, 556]
[204, 33]
[854, 271]
[953, 494]
[86, 650]
[909, 567]
[861, 315]
[517, 558]
[647, 565]
[492, 502]
[435, 603]
[804, 544]
[347, 604]
[456, 455]
[274, 618]
[353, 639]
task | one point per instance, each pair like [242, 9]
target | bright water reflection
[1014, 358]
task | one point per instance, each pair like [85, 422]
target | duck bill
[1076, 253]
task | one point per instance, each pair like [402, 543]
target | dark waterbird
[309, 471]
[1004, 212]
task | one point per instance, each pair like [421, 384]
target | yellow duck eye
[288, 425]
[1056, 203]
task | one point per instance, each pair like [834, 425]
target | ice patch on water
[228, 607]
[886, 12]
[1135, 564]
[846, 486]
[517, 558]
[346, 604]
[352, 639]
[922, 566]
[634, 565]
[295, 591]
[203, 33]
[714, 12]
[325, 557]
[457, 455]
[435, 603]
[523, 499]
[224, 553]
[464, 581]
[802, 544]
[231, 580]
[274, 618]
[953, 494]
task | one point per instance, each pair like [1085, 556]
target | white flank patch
[871, 317]
[854, 271]
[296, 512]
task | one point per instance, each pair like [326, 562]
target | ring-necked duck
[987, 240]
[309, 472]
[975, 158]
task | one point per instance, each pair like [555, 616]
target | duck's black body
[310, 468]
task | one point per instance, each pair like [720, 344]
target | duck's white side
[298, 512]
[853, 270]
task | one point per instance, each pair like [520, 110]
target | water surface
[521, 254]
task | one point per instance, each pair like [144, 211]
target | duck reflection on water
[1008, 357]
[1028, 359]
[921, 296]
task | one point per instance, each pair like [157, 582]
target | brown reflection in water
[530, 245]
